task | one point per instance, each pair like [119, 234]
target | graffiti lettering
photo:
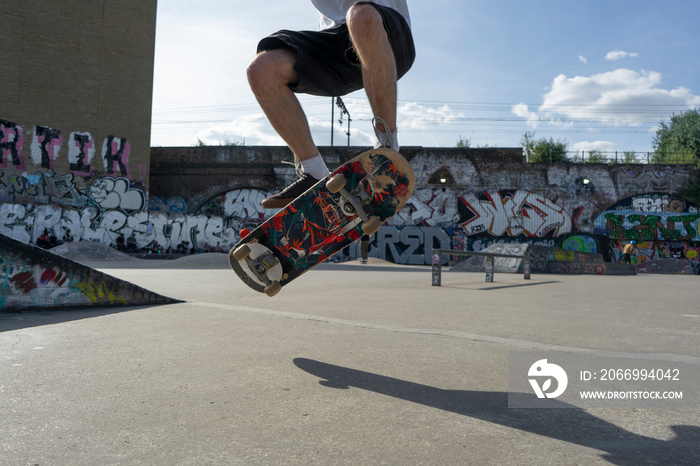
[110, 193]
[513, 214]
[37, 284]
[429, 207]
[409, 245]
[665, 227]
[115, 154]
[100, 292]
[46, 144]
[245, 204]
[174, 204]
[580, 243]
[576, 267]
[11, 141]
[81, 151]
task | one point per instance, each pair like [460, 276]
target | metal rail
[437, 263]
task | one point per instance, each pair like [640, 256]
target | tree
[230, 143]
[596, 156]
[679, 140]
[629, 156]
[464, 142]
[544, 150]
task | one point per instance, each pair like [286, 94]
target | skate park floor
[350, 364]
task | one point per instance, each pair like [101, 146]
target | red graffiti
[25, 280]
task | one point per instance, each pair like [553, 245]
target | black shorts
[327, 65]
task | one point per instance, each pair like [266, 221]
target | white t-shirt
[333, 12]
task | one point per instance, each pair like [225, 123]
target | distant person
[628, 251]
[181, 248]
[44, 240]
[364, 248]
[131, 245]
[156, 248]
[121, 243]
[53, 240]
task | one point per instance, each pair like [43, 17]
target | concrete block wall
[206, 195]
[489, 195]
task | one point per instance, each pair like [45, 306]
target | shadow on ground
[571, 425]
[10, 321]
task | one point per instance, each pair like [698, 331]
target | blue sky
[600, 75]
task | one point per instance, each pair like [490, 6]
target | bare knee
[364, 20]
[271, 67]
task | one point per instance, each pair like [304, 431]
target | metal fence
[627, 157]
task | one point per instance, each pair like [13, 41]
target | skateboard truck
[265, 266]
[352, 202]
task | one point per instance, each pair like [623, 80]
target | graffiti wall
[434, 217]
[666, 229]
[75, 186]
[650, 217]
[47, 148]
[512, 214]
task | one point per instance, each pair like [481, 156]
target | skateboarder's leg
[329, 63]
[269, 75]
[372, 46]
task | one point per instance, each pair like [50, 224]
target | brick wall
[76, 90]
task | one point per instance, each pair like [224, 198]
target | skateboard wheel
[241, 252]
[371, 226]
[273, 288]
[336, 183]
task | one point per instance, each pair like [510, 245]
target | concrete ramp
[32, 278]
[591, 268]
[669, 266]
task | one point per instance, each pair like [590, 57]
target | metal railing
[490, 257]
[621, 157]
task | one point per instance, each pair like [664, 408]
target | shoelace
[388, 136]
[297, 167]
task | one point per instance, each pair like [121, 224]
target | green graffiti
[652, 227]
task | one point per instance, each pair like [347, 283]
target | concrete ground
[350, 364]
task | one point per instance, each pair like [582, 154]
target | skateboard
[354, 200]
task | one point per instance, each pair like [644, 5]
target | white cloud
[588, 146]
[523, 111]
[619, 54]
[252, 130]
[416, 116]
[619, 97]
[583, 59]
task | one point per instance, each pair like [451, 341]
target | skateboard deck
[352, 201]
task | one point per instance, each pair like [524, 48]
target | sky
[598, 75]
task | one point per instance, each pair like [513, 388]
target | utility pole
[343, 111]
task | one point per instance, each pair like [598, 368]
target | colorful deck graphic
[315, 227]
